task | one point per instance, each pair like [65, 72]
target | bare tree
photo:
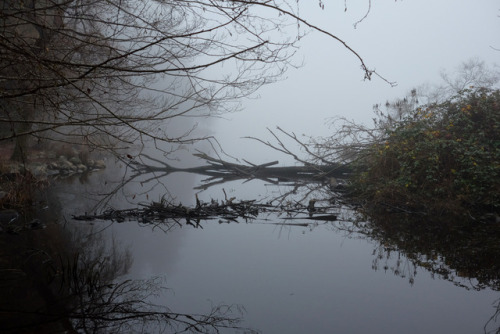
[113, 73]
[471, 73]
[350, 139]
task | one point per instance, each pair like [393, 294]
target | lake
[308, 277]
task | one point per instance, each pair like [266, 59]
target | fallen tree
[221, 171]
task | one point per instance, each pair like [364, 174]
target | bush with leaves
[439, 159]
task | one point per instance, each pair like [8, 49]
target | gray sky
[405, 41]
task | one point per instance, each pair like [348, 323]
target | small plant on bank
[438, 159]
[19, 190]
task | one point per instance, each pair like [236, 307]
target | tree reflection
[296, 184]
[57, 281]
[489, 327]
[464, 253]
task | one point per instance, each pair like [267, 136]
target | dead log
[165, 213]
[225, 170]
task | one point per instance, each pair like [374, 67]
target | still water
[318, 278]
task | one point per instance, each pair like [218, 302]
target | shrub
[442, 158]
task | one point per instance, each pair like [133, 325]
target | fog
[408, 42]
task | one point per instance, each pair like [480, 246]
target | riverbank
[43, 162]
[20, 179]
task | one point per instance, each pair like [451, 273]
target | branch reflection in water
[465, 254]
[462, 253]
[72, 278]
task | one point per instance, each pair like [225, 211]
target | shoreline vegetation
[67, 77]
[439, 160]
[21, 180]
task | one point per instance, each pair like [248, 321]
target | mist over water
[293, 276]
[317, 278]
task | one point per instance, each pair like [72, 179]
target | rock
[65, 166]
[52, 172]
[75, 161]
[53, 166]
[81, 168]
[40, 170]
[99, 164]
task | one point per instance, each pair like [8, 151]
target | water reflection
[71, 278]
[313, 276]
[465, 254]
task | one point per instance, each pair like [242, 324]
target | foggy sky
[409, 42]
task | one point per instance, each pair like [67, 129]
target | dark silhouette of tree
[113, 73]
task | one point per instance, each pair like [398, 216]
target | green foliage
[442, 158]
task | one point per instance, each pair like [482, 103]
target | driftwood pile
[229, 210]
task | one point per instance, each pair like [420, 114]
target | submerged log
[164, 212]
